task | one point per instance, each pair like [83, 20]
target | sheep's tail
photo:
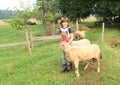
[94, 59]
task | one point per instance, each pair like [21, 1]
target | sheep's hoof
[85, 69]
[98, 71]
[77, 76]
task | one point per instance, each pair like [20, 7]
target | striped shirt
[65, 33]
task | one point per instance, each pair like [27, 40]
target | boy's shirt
[65, 33]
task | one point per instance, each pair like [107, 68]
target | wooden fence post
[31, 38]
[77, 25]
[28, 42]
[103, 28]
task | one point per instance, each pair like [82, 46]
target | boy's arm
[71, 38]
[58, 31]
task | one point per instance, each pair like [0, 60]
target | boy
[67, 36]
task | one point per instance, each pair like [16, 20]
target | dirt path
[34, 39]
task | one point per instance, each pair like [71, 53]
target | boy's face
[65, 24]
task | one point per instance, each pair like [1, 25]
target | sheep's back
[81, 42]
[83, 53]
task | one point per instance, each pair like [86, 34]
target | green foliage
[107, 9]
[48, 5]
[17, 24]
[21, 17]
[76, 8]
[25, 15]
[83, 8]
[19, 21]
[51, 18]
[37, 13]
[49, 10]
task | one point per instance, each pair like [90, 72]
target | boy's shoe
[65, 69]
[69, 67]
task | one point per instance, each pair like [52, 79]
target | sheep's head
[79, 35]
[64, 45]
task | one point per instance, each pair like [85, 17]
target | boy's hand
[69, 42]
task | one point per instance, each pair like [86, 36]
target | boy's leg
[67, 66]
[64, 62]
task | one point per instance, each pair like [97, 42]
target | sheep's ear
[62, 44]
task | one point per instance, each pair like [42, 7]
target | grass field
[9, 34]
[45, 64]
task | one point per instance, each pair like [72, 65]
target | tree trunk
[50, 29]
[53, 28]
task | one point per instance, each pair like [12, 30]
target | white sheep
[82, 53]
[79, 35]
[80, 42]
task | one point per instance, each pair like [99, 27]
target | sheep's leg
[98, 69]
[88, 62]
[76, 63]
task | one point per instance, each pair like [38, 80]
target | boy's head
[64, 22]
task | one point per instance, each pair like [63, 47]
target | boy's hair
[64, 19]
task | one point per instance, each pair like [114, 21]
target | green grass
[45, 64]
[9, 34]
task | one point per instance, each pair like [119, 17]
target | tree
[50, 12]
[76, 9]
[49, 9]
[107, 9]
[6, 14]
[20, 19]
[37, 14]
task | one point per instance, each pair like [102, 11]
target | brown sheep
[79, 35]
